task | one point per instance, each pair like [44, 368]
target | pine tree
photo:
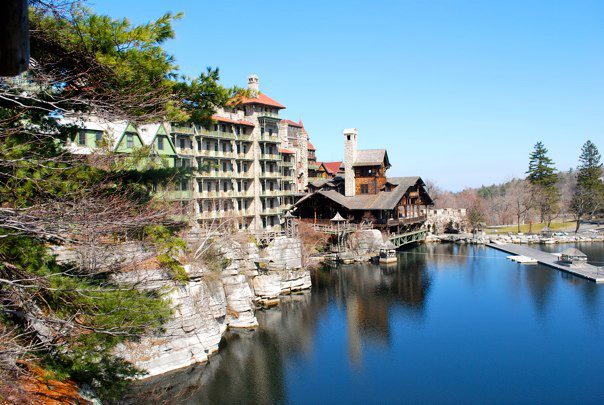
[543, 178]
[589, 192]
[541, 170]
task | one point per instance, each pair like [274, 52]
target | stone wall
[443, 220]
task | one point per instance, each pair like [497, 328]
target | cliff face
[210, 302]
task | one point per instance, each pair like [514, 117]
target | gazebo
[388, 253]
[573, 256]
[547, 232]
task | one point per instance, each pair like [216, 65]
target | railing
[269, 156]
[270, 175]
[271, 211]
[175, 194]
[286, 164]
[269, 138]
[219, 134]
[217, 154]
[183, 130]
[407, 220]
[271, 193]
[266, 237]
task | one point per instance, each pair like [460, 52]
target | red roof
[261, 99]
[292, 124]
[286, 151]
[311, 146]
[332, 167]
[240, 122]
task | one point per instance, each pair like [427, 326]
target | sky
[457, 91]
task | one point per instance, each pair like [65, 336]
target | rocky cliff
[213, 301]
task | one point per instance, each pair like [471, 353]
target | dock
[587, 271]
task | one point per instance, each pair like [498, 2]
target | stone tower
[253, 85]
[350, 155]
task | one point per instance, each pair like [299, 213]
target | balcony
[271, 193]
[217, 174]
[286, 164]
[185, 151]
[244, 156]
[271, 211]
[179, 129]
[272, 138]
[217, 154]
[219, 135]
[243, 175]
[175, 195]
[270, 175]
[269, 156]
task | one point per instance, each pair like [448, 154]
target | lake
[446, 324]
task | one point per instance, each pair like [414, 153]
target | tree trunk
[14, 37]
[578, 224]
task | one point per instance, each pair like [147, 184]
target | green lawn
[556, 226]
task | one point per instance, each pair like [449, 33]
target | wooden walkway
[587, 271]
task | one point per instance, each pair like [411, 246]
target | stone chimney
[253, 85]
[350, 155]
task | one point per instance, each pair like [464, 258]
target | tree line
[543, 196]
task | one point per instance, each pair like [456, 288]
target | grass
[555, 226]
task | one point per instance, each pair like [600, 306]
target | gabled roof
[292, 123]
[384, 200]
[332, 167]
[262, 99]
[371, 157]
[113, 129]
[573, 252]
[311, 146]
[231, 121]
[149, 132]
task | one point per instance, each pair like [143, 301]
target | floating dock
[587, 271]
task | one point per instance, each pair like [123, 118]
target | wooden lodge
[365, 195]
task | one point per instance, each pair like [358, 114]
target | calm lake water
[447, 324]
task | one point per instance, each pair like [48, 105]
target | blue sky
[457, 91]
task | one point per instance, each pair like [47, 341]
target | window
[184, 185]
[98, 138]
[129, 141]
[237, 130]
[215, 146]
[182, 143]
[364, 188]
[82, 138]
[199, 144]
[160, 143]
[224, 147]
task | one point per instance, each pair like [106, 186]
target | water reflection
[368, 332]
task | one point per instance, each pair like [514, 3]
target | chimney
[350, 155]
[253, 85]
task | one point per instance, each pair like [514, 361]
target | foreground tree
[542, 176]
[68, 316]
[588, 196]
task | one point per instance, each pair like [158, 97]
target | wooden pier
[587, 271]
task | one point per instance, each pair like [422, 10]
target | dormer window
[160, 143]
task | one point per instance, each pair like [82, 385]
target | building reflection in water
[249, 366]
[256, 366]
